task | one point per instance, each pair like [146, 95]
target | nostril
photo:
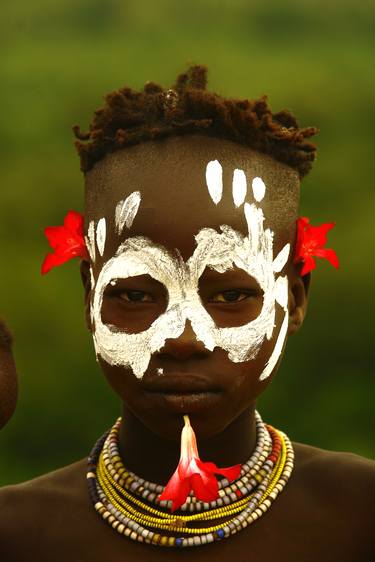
[180, 350]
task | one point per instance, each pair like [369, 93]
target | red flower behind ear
[310, 243]
[67, 241]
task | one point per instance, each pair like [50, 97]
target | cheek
[121, 379]
[245, 386]
[245, 376]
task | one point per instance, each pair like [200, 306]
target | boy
[193, 283]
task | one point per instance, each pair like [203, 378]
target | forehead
[175, 201]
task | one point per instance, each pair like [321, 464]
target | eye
[232, 296]
[132, 304]
[134, 296]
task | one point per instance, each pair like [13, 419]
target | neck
[155, 459]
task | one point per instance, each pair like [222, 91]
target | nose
[185, 346]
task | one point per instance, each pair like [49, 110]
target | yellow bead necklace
[139, 520]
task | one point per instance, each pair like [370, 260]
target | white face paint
[126, 210]
[219, 251]
[214, 180]
[239, 187]
[90, 240]
[259, 189]
[101, 235]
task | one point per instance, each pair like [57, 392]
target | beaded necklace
[130, 504]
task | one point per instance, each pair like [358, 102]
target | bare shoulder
[26, 509]
[60, 482]
[344, 483]
[336, 464]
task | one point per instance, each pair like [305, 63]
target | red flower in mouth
[310, 243]
[67, 241]
[193, 474]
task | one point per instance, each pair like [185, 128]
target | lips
[181, 383]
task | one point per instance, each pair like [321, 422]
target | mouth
[183, 393]
[185, 402]
[180, 383]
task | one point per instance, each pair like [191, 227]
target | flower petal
[310, 243]
[52, 260]
[309, 265]
[67, 241]
[231, 473]
[193, 474]
[189, 448]
[205, 487]
[176, 490]
[74, 222]
[328, 254]
[56, 236]
[318, 234]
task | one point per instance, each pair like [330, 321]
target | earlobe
[86, 281]
[298, 299]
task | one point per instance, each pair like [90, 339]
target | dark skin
[8, 376]
[325, 512]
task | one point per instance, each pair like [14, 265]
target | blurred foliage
[57, 61]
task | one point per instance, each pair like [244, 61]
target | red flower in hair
[193, 474]
[310, 243]
[67, 241]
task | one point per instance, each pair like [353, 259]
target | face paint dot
[239, 187]
[100, 235]
[214, 180]
[259, 189]
[160, 371]
[281, 259]
[90, 240]
[126, 211]
[113, 282]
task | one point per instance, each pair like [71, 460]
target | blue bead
[220, 533]
[178, 542]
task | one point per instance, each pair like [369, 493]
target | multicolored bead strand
[114, 497]
[228, 492]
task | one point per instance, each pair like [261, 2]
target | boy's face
[191, 242]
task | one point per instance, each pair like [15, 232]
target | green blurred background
[58, 59]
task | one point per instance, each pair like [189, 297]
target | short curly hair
[131, 117]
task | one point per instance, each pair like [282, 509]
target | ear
[298, 299]
[86, 281]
